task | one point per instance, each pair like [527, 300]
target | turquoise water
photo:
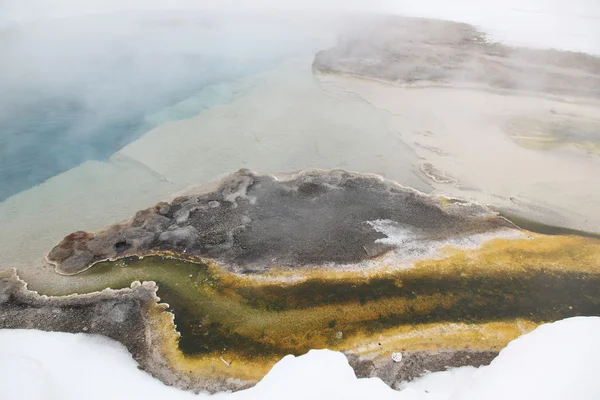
[53, 134]
[77, 90]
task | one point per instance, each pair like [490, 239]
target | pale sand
[289, 120]
[284, 122]
[461, 133]
[85, 197]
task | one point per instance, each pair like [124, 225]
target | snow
[555, 361]
[320, 374]
[439, 385]
[36, 365]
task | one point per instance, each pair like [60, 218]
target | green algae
[541, 228]
[557, 131]
[216, 314]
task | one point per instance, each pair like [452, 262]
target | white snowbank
[320, 374]
[36, 365]
[556, 361]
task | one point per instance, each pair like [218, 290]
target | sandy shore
[284, 122]
[463, 143]
[450, 140]
[447, 139]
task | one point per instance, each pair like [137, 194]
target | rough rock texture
[253, 222]
[124, 315]
[121, 315]
[421, 51]
[118, 314]
[415, 364]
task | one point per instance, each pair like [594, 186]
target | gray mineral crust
[423, 51]
[253, 222]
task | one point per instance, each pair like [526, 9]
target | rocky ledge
[400, 281]
[133, 317]
[254, 222]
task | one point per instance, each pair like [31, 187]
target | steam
[77, 78]
[80, 88]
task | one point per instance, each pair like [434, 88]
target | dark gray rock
[74, 262]
[180, 237]
[156, 222]
[124, 315]
[415, 364]
[315, 218]
[104, 245]
[163, 208]
[117, 314]
[138, 237]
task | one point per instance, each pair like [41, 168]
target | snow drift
[555, 361]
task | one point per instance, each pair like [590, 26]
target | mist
[80, 80]
[79, 88]
[339, 148]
